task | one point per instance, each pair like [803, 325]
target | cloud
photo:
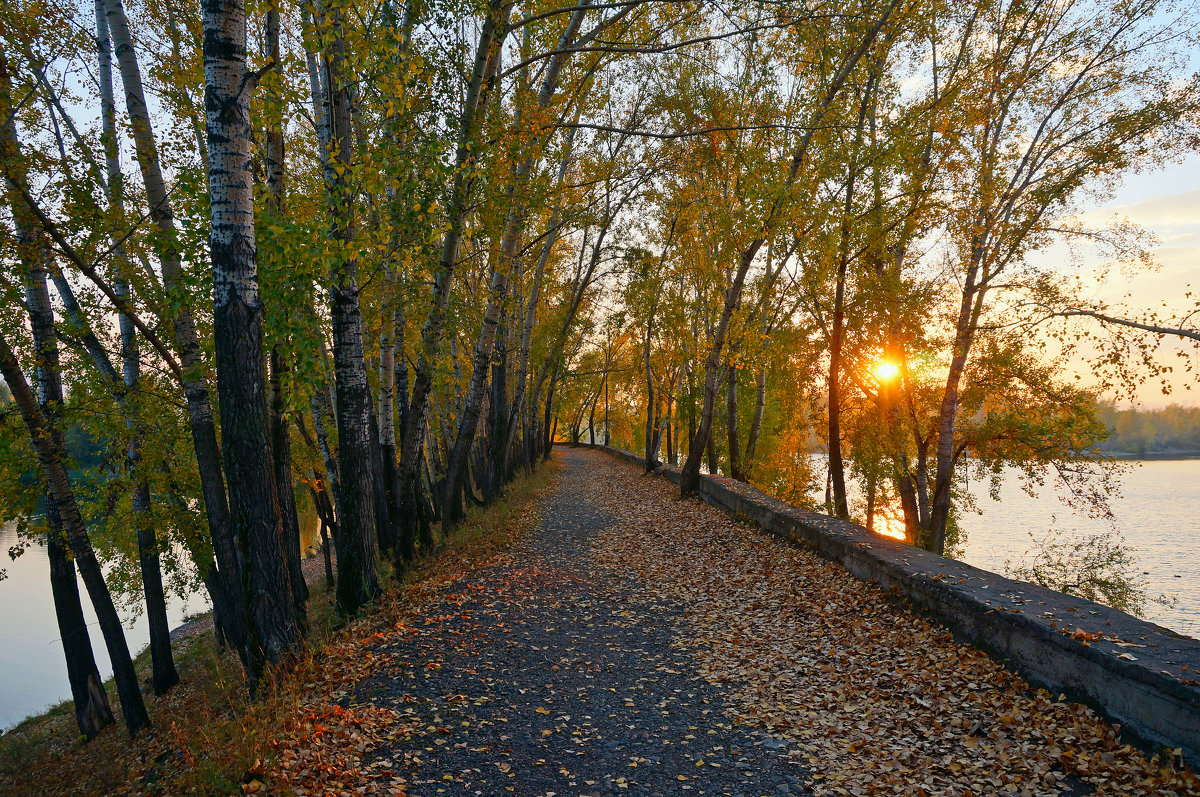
[1168, 216]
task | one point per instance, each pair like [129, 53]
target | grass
[207, 736]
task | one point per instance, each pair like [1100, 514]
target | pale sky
[1167, 203]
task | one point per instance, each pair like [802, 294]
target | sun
[885, 370]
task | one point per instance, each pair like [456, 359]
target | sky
[1166, 203]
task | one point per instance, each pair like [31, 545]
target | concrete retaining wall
[1143, 676]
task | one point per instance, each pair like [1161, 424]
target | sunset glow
[885, 370]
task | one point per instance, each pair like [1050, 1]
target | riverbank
[207, 737]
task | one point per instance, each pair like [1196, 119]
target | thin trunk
[487, 53]
[649, 377]
[549, 429]
[592, 423]
[690, 478]
[498, 421]
[281, 449]
[837, 473]
[92, 711]
[386, 415]
[760, 403]
[164, 674]
[281, 439]
[939, 513]
[731, 424]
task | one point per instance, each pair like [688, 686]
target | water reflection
[1157, 513]
[31, 658]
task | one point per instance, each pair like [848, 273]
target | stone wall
[1142, 676]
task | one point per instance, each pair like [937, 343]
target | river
[33, 672]
[1157, 513]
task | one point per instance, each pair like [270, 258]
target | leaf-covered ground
[541, 673]
[633, 643]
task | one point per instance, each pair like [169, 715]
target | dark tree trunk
[358, 579]
[731, 424]
[548, 427]
[281, 448]
[92, 712]
[281, 439]
[592, 424]
[690, 477]
[760, 403]
[47, 441]
[273, 632]
[607, 435]
[383, 509]
[497, 422]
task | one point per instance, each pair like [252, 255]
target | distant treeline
[1171, 429]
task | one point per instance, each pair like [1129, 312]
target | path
[553, 676]
[634, 643]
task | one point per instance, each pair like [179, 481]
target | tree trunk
[91, 709]
[47, 442]
[200, 414]
[281, 450]
[760, 403]
[939, 511]
[690, 478]
[731, 424]
[162, 659]
[497, 422]
[650, 461]
[281, 439]
[92, 712]
[607, 435]
[386, 417]
[164, 674]
[358, 580]
[254, 503]
[592, 423]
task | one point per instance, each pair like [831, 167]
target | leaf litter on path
[879, 699]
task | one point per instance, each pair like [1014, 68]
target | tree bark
[281, 439]
[731, 424]
[200, 414]
[281, 451]
[357, 578]
[273, 631]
